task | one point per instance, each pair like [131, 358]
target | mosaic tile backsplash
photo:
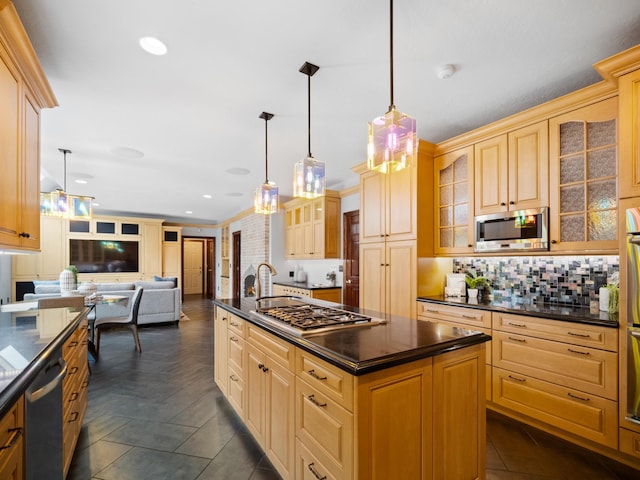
[554, 280]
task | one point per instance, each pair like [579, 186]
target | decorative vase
[67, 282]
[472, 292]
[603, 293]
[86, 289]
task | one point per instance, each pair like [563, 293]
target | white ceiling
[193, 113]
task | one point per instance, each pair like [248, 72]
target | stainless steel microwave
[517, 231]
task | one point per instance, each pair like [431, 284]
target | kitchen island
[43, 389]
[399, 399]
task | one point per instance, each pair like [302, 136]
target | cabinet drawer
[325, 428]
[276, 348]
[12, 437]
[308, 467]
[587, 369]
[575, 333]
[630, 442]
[235, 352]
[329, 380]
[468, 316]
[236, 393]
[237, 324]
[586, 415]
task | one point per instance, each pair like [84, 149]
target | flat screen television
[103, 256]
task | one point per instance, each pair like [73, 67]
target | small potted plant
[475, 283]
[331, 276]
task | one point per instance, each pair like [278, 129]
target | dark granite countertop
[367, 349]
[28, 340]
[552, 312]
[306, 285]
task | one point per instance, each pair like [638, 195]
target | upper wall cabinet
[512, 171]
[583, 179]
[24, 91]
[629, 104]
[312, 227]
[454, 202]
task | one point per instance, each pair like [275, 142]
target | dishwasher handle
[44, 390]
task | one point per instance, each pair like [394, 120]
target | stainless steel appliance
[512, 231]
[633, 314]
[303, 318]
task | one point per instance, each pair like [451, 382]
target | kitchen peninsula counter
[29, 339]
[366, 349]
[401, 399]
[566, 313]
[305, 285]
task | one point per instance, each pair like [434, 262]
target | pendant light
[60, 204]
[392, 137]
[308, 174]
[266, 199]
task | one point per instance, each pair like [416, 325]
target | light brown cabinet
[454, 200]
[12, 428]
[512, 171]
[220, 357]
[328, 294]
[312, 227]
[583, 179]
[629, 131]
[172, 252]
[561, 374]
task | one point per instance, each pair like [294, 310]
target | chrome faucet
[258, 282]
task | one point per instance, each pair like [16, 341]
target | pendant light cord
[266, 150]
[309, 114]
[391, 105]
[64, 167]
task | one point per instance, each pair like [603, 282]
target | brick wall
[255, 243]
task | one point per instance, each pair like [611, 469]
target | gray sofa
[160, 301]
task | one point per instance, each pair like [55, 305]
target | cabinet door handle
[313, 373]
[315, 474]
[16, 433]
[234, 378]
[581, 335]
[519, 325]
[24, 235]
[517, 379]
[512, 202]
[235, 324]
[577, 397]
[502, 204]
[312, 399]
[521, 340]
[578, 352]
[233, 339]
[74, 416]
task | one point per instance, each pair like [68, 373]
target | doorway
[193, 266]
[236, 264]
[351, 255]
[198, 266]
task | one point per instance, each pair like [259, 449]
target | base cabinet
[12, 441]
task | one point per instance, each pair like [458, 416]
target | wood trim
[619, 64]
[350, 190]
[14, 36]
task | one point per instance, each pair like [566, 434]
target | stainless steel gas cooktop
[303, 318]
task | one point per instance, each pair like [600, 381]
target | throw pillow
[167, 279]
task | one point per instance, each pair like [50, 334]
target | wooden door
[237, 250]
[372, 206]
[629, 131]
[30, 182]
[373, 283]
[529, 167]
[220, 349]
[351, 242]
[401, 204]
[280, 429]
[401, 278]
[256, 381]
[193, 262]
[491, 176]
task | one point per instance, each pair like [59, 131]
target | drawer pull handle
[263, 368]
[578, 352]
[517, 379]
[235, 324]
[74, 397]
[73, 344]
[521, 340]
[312, 399]
[17, 432]
[234, 378]
[73, 370]
[432, 311]
[315, 474]
[313, 373]
[577, 397]
[520, 325]
[74, 416]
[582, 335]
[233, 339]
[472, 317]
[224, 319]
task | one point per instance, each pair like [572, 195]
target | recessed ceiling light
[234, 194]
[153, 46]
[94, 204]
[83, 182]
[206, 195]
[238, 171]
[188, 212]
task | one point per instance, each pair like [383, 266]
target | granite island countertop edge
[358, 368]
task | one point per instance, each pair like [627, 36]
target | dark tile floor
[159, 415]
